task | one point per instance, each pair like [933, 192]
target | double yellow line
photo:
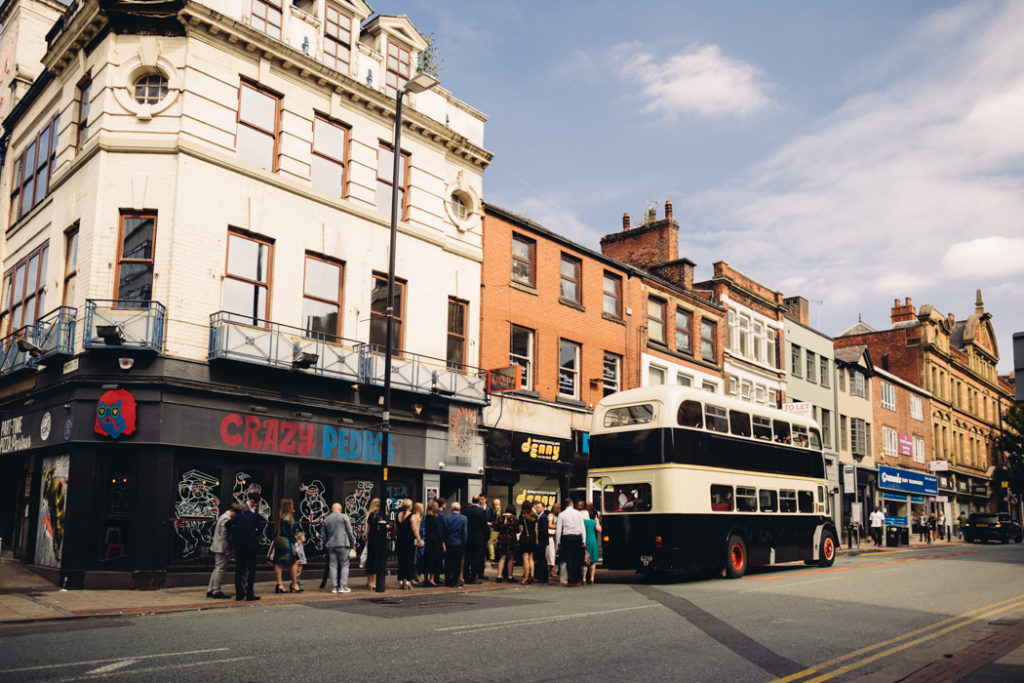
[866, 655]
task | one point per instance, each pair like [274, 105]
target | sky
[852, 153]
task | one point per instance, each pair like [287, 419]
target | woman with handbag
[505, 546]
[527, 539]
[283, 548]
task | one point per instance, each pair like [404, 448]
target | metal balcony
[54, 333]
[122, 323]
[426, 375]
[15, 352]
[243, 338]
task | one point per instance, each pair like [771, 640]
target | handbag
[352, 554]
[362, 556]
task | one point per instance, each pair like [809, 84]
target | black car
[992, 526]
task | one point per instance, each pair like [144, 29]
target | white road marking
[151, 669]
[113, 659]
[537, 620]
[112, 667]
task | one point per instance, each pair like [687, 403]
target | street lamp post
[418, 83]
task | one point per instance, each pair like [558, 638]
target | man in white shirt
[877, 521]
[570, 537]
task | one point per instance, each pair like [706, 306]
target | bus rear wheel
[828, 550]
[735, 557]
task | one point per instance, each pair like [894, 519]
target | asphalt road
[880, 616]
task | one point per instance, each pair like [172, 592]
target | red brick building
[955, 361]
[563, 314]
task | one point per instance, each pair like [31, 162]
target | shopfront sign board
[907, 481]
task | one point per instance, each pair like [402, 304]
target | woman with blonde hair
[373, 541]
[407, 537]
[527, 540]
[283, 549]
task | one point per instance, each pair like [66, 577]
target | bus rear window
[739, 423]
[721, 498]
[746, 499]
[762, 428]
[787, 501]
[627, 498]
[716, 419]
[781, 431]
[769, 500]
[629, 415]
[691, 415]
[806, 500]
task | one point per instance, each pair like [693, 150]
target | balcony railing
[251, 340]
[54, 333]
[426, 375]
[14, 354]
[122, 323]
[239, 337]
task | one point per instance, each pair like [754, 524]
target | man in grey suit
[221, 549]
[337, 535]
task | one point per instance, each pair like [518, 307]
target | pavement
[994, 652]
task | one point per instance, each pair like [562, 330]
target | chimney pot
[668, 210]
[625, 221]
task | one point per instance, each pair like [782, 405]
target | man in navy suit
[476, 539]
[455, 536]
[245, 529]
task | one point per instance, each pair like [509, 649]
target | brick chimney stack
[799, 309]
[903, 312]
[652, 244]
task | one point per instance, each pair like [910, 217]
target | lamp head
[420, 82]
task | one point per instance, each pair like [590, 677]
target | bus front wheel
[735, 557]
[828, 550]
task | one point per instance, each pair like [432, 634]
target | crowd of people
[434, 545]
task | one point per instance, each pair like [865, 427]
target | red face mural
[115, 413]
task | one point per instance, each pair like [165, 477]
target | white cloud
[698, 81]
[915, 188]
[992, 256]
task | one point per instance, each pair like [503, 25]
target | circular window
[150, 88]
[459, 207]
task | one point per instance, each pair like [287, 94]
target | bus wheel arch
[736, 557]
[827, 553]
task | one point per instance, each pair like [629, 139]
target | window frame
[37, 295]
[707, 339]
[84, 92]
[530, 263]
[343, 162]
[615, 296]
[406, 166]
[917, 407]
[811, 359]
[823, 372]
[529, 367]
[70, 265]
[275, 134]
[610, 386]
[858, 384]
[332, 38]
[255, 19]
[30, 169]
[656, 303]
[398, 315]
[307, 256]
[684, 329]
[575, 280]
[575, 370]
[890, 442]
[462, 339]
[796, 360]
[888, 392]
[121, 260]
[391, 90]
[266, 285]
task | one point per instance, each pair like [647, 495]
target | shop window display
[313, 505]
[195, 512]
[116, 540]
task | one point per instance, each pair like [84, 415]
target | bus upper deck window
[691, 414]
[629, 415]
[806, 499]
[787, 501]
[762, 428]
[739, 423]
[800, 435]
[716, 419]
[781, 431]
[815, 439]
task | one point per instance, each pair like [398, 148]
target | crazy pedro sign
[115, 414]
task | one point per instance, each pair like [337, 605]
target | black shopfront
[135, 505]
[526, 466]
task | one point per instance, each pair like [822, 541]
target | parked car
[992, 526]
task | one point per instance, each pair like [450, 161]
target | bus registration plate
[646, 559]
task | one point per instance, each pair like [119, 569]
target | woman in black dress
[433, 553]
[527, 539]
[373, 541]
[505, 546]
[405, 544]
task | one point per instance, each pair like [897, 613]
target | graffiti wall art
[196, 511]
[312, 510]
[356, 503]
[53, 497]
